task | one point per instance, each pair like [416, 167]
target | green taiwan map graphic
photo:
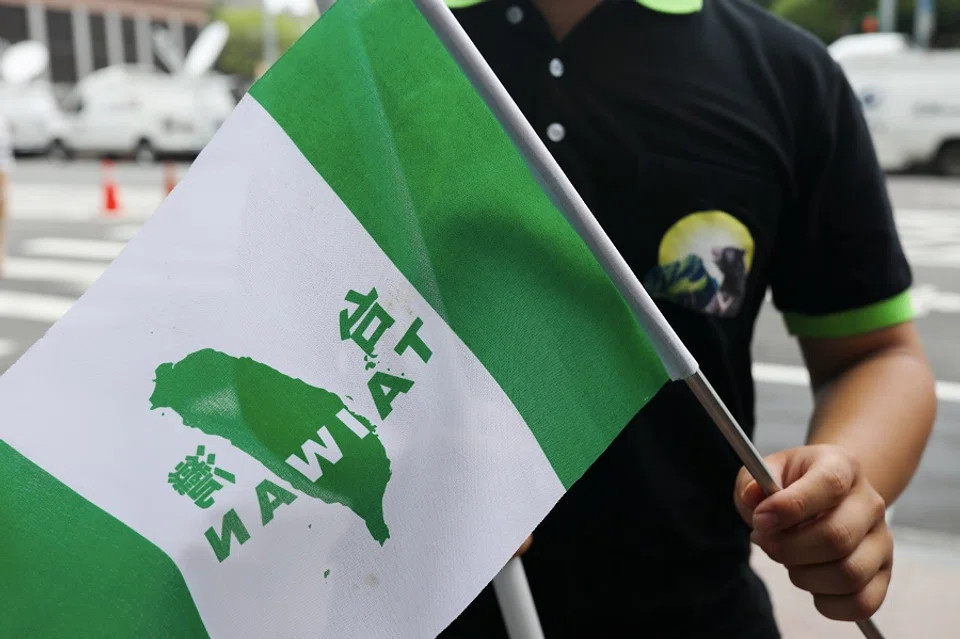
[269, 416]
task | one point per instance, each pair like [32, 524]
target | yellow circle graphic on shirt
[704, 264]
[700, 233]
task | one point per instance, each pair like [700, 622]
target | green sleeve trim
[883, 314]
[673, 6]
[461, 4]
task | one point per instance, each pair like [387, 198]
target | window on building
[129, 29]
[63, 67]
[98, 36]
[13, 23]
[190, 33]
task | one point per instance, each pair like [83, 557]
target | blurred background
[106, 103]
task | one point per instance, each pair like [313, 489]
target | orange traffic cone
[169, 178]
[111, 201]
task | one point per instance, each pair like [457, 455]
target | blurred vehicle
[910, 98]
[127, 110]
[861, 44]
[27, 100]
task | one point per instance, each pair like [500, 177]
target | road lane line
[33, 306]
[72, 248]
[781, 374]
[798, 376]
[57, 271]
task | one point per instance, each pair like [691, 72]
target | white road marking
[72, 248]
[798, 376]
[781, 374]
[82, 274]
[123, 232]
[928, 299]
[930, 237]
[7, 346]
[33, 306]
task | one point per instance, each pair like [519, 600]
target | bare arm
[874, 410]
[875, 398]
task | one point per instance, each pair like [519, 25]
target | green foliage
[244, 50]
[829, 19]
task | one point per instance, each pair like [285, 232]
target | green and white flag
[350, 363]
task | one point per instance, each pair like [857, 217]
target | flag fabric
[350, 363]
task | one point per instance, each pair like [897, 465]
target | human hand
[827, 526]
[524, 547]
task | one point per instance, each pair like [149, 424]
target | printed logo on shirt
[703, 264]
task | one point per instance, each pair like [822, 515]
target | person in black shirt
[726, 155]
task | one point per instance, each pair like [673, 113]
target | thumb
[747, 495]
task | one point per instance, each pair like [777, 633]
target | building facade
[85, 35]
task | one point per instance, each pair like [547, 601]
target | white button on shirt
[556, 132]
[514, 15]
[556, 67]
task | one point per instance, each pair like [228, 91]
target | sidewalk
[923, 601]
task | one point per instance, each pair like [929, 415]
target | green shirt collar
[673, 6]
[663, 6]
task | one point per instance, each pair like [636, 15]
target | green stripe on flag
[69, 569]
[371, 98]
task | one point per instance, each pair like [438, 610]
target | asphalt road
[59, 243]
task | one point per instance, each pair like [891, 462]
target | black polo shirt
[725, 154]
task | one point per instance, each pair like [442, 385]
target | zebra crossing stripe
[81, 274]
[34, 307]
[72, 248]
[798, 376]
[123, 232]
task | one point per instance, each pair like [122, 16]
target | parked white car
[910, 98]
[33, 116]
[126, 110]
[131, 110]
[27, 100]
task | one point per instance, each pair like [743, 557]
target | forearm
[881, 409]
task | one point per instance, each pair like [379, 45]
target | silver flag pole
[677, 360]
[517, 607]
